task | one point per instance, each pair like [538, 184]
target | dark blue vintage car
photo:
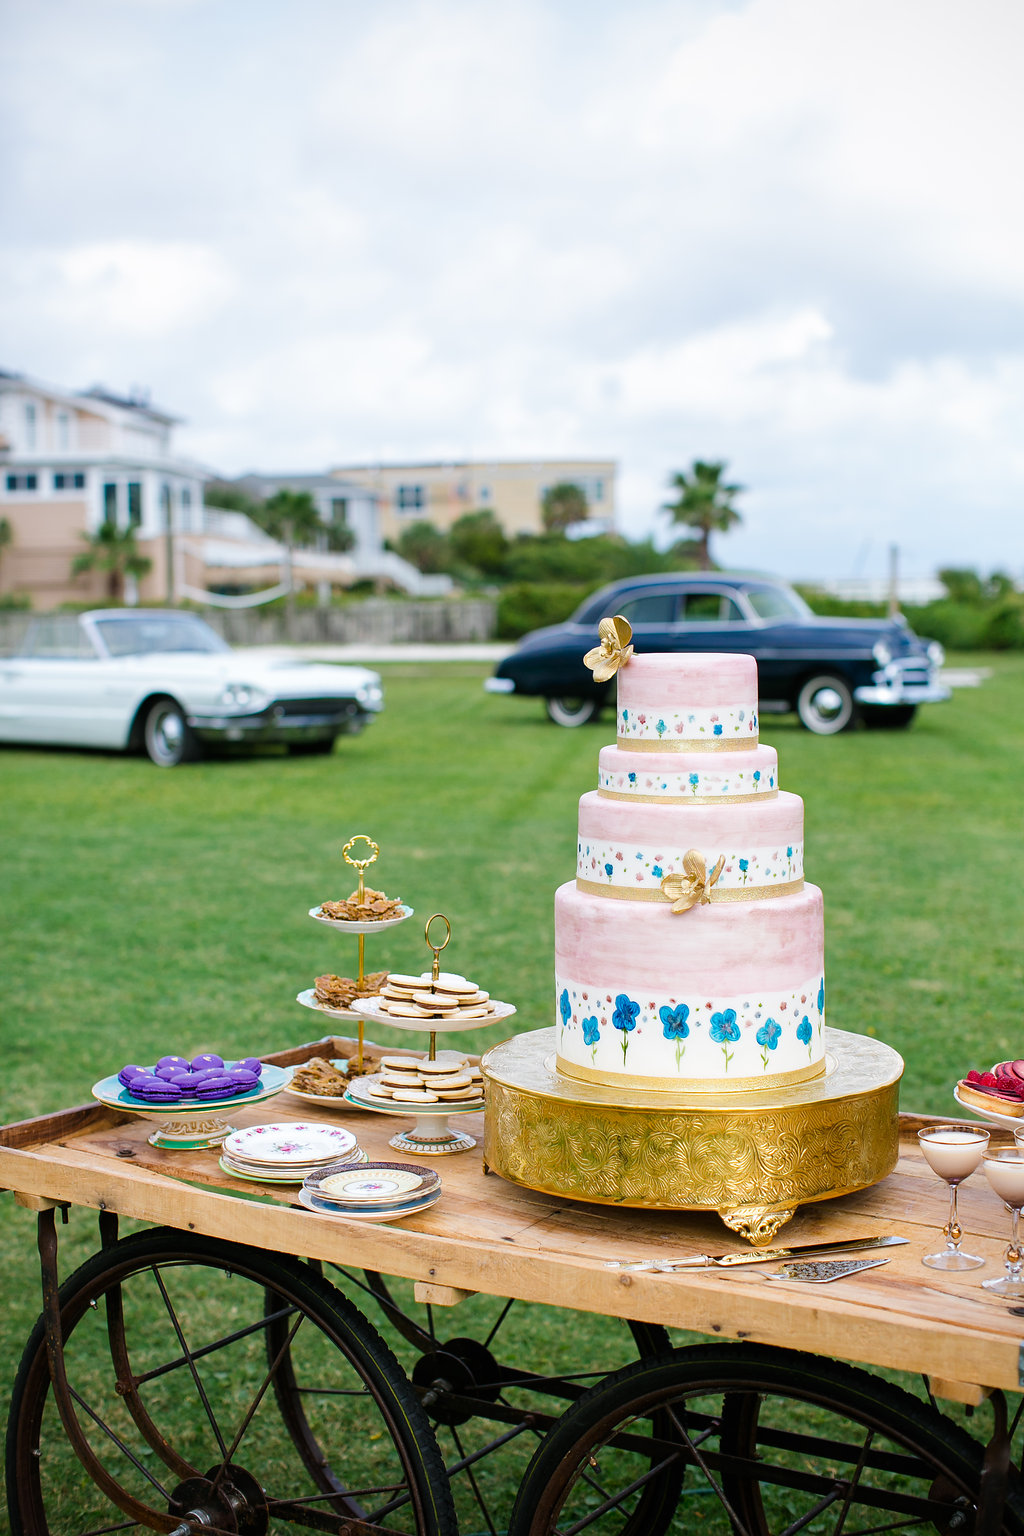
[832, 672]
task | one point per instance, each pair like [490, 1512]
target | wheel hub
[460, 1368]
[827, 703]
[228, 1498]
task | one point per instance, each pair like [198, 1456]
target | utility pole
[894, 580]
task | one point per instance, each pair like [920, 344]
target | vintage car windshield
[777, 603]
[155, 632]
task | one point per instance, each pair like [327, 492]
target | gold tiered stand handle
[435, 968]
[361, 865]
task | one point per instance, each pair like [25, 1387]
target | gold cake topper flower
[693, 886]
[613, 652]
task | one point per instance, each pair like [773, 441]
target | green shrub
[825, 604]
[15, 602]
[1004, 629]
[957, 626]
[531, 605]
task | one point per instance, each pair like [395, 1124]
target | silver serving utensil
[754, 1255]
[822, 1271]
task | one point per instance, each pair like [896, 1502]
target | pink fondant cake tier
[688, 777]
[626, 848]
[704, 701]
[722, 996]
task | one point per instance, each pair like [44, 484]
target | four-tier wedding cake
[689, 949]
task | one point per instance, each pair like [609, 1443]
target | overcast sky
[784, 233]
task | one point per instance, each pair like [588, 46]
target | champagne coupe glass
[1005, 1172]
[953, 1152]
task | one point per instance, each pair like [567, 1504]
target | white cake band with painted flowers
[688, 778]
[630, 871]
[667, 1040]
[705, 702]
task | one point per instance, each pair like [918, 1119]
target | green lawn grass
[148, 911]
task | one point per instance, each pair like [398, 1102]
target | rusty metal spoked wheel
[493, 1377]
[765, 1442]
[173, 1405]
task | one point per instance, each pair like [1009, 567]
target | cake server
[756, 1255]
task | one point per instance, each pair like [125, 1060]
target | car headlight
[882, 652]
[936, 653]
[241, 696]
[370, 694]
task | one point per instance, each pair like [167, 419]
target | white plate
[368, 1008]
[287, 1145]
[308, 1000]
[266, 1177]
[1009, 1122]
[373, 1186]
[441, 1107]
[343, 925]
[396, 1213]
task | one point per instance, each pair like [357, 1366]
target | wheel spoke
[197, 1382]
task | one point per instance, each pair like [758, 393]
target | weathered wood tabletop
[490, 1236]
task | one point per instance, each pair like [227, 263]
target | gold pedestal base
[752, 1157]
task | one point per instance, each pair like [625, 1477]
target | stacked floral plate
[374, 1192]
[288, 1153]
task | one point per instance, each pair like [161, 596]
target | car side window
[710, 608]
[57, 637]
[651, 608]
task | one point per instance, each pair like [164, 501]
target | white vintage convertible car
[166, 683]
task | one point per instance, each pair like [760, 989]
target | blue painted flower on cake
[609, 870]
[724, 1029]
[591, 1035]
[694, 781]
[744, 866]
[804, 1033]
[674, 1027]
[821, 1000]
[624, 1018]
[718, 730]
[564, 1006]
[768, 1037]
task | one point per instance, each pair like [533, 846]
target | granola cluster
[340, 991]
[375, 907]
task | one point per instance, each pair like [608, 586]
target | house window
[69, 480]
[410, 498]
[339, 510]
[186, 508]
[134, 503]
[484, 495]
[22, 482]
[30, 426]
[63, 431]
[110, 502]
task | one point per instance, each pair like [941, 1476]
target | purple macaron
[128, 1074]
[202, 1063]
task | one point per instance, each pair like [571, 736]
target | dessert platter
[364, 911]
[191, 1100]
[690, 1066]
[996, 1096]
[377, 1192]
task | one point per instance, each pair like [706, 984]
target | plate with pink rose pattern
[283, 1146]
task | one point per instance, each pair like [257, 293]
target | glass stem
[1013, 1256]
[953, 1231]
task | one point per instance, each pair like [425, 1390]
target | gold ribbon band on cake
[719, 744]
[718, 1085]
[618, 794]
[736, 893]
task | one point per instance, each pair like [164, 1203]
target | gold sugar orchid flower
[613, 652]
[693, 886]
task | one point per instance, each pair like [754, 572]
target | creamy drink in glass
[953, 1152]
[1005, 1172]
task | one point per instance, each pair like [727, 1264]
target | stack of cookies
[416, 1080]
[450, 997]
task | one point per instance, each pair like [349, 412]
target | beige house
[70, 462]
[512, 489]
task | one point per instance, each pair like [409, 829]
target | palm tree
[562, 505]
[113, 551]
[703, 502]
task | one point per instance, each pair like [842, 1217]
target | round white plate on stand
[345, 925]
[371, 1009]
[431, 1136]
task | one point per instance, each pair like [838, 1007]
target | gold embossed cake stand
[752, 1157]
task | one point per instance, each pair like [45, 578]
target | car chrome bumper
[273, 725]
[499, 685]
[902, 694]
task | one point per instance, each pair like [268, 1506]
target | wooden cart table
[211, 1374]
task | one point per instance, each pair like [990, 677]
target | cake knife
[756, 1255]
